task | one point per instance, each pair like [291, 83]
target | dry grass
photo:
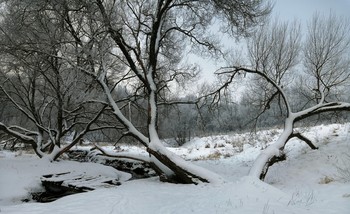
[213, 156]
[326, 180]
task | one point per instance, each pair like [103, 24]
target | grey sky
[288, 10]
[304, 9]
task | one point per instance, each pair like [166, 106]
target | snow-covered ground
[310, 181]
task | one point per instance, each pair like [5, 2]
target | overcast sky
[288, 10]
[303, 9]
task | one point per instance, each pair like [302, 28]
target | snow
[272, 150]
[118, 113]
[21, 175]
[201, 172]
[307, 182]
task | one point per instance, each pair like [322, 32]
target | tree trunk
[180, 174]
[184, 171]
[273, 153]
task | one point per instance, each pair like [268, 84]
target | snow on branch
[123, 155]
[120, 116]
[24, 138]
[321, 108]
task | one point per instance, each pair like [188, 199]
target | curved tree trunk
[273, 153]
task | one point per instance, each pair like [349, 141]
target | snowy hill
[309, 181]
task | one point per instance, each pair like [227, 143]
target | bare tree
[138, 45]
[326, 63]
[149, 38]
[42, 88]
[326, 54]
[273, 49]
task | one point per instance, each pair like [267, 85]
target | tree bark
[181, 175]
[305, 139]
[273, 153]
